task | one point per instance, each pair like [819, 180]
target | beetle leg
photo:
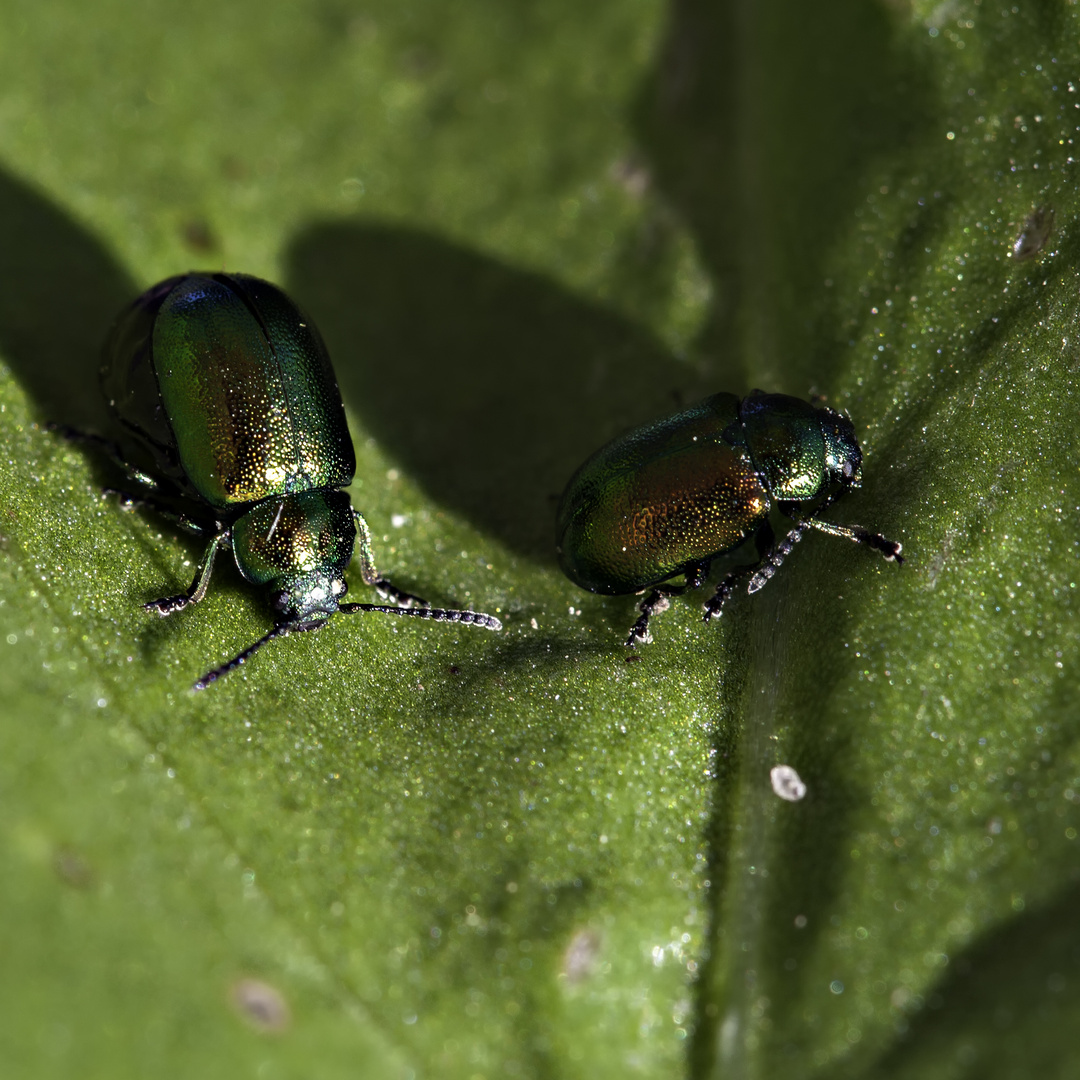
[658, 601]
[144, 480]
[715, 604]
[168, 604]
[653, 604]
[86, 438]
[765, 542]
[889, 548]
[128, 499]
[371, 576]
[109, 449]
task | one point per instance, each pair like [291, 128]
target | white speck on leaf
[787, 783]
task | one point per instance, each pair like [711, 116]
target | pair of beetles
[233, 426]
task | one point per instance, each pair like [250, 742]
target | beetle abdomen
[248, 391]
[659, 499]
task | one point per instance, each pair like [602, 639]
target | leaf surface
[402, 851]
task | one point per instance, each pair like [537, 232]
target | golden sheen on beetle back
[667, 499]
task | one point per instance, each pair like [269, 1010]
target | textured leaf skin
[522, 230]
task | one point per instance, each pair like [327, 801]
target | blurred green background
[419, 851]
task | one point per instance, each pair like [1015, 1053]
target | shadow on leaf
[1001, 1006]
[760, 125]
[59, 292]
[489, 384]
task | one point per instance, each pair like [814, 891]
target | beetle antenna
[772, 560]
[212, 676]
[476, 618]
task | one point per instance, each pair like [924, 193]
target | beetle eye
[340, 588]
[849, 470]
[281, 601]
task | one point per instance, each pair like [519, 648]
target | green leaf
[403, 851]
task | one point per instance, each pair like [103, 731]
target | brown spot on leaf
[199, 237]
[73, 869]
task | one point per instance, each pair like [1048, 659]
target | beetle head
[306, 601]
[297, 547]
[843, 457]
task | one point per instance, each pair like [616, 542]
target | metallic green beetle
[668, 498]
[234, 426]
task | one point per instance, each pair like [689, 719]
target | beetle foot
[653, 604]
[167, 605]
[125, 498]
[890, 549]
[714, 606]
